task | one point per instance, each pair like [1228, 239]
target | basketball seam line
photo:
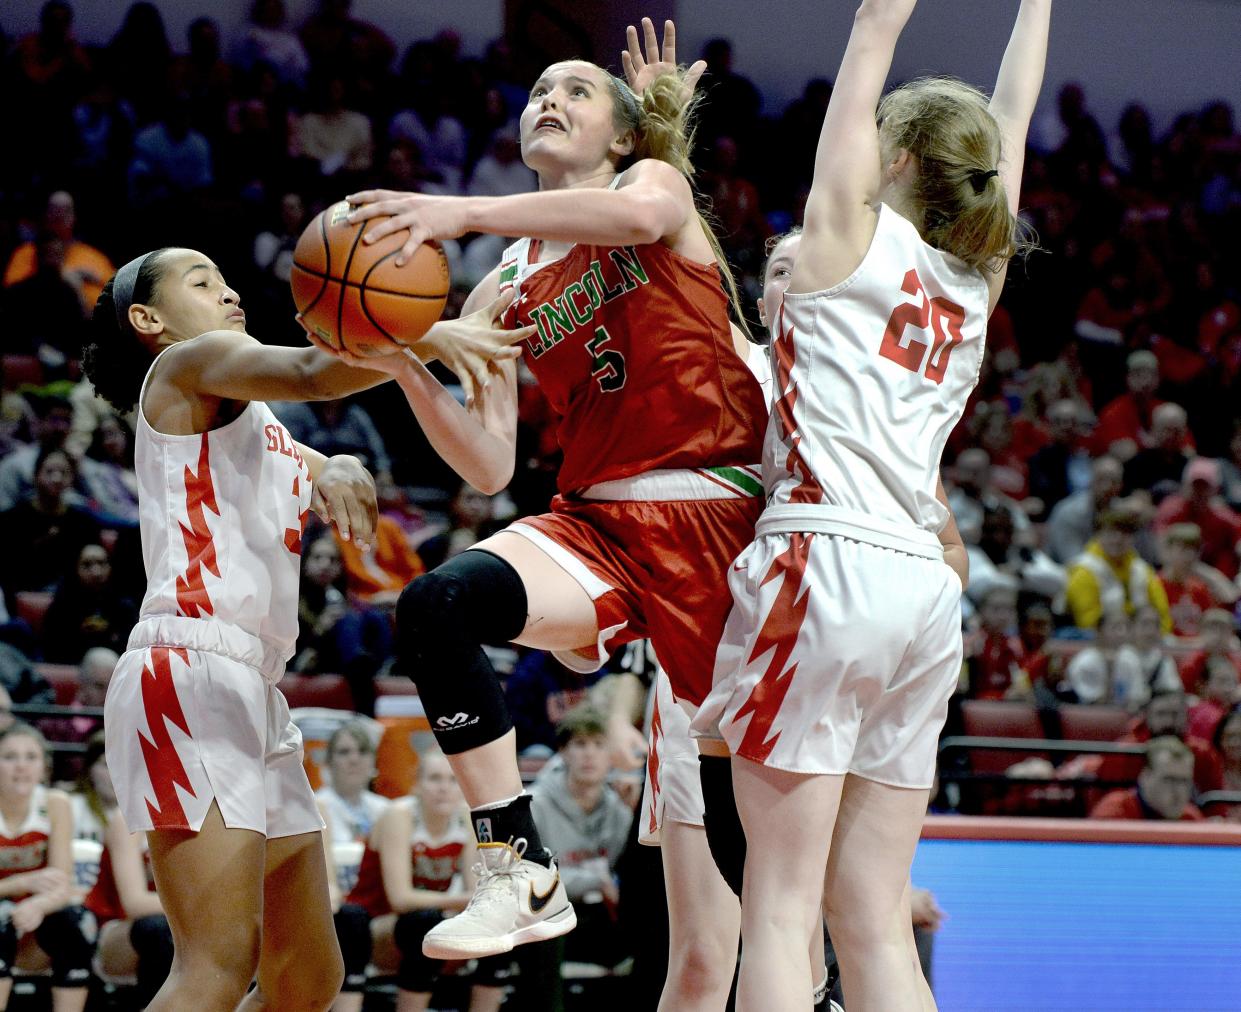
[362, 284]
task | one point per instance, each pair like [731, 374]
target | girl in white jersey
[200, 745]
[844, 645]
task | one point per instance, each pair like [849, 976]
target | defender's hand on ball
[470, 344]
[344, 495]
[425, 215]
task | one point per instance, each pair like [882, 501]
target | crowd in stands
[1096, 476]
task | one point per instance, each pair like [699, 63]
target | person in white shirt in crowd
[347, 795]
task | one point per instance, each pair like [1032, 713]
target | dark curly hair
[114, 359]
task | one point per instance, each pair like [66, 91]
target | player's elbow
[492, 479]
[649, 219]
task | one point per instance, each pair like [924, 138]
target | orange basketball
[353, 296]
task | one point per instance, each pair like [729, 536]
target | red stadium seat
[1000, 718]
[1080, 722]
[31, 606]
[63, 678]
[22, 369]
[388, 686]
[331, 691]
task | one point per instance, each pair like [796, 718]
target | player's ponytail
[113, 358]
[663, 124]
[960, 205]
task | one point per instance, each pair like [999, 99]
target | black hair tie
[978, 179]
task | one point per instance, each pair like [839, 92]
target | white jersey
[871, 376]
[221, 519]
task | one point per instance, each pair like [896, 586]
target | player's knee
[429, 611]
[858, 924]
[699, 968]
[220, 965]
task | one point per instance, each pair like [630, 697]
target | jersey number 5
[943, 318]
[607, 365]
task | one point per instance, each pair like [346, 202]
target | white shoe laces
[495, 879]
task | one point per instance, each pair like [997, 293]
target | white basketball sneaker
[515, 902]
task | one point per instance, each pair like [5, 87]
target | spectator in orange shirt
[84, 267]
[378, 576]
[1165, 787]
[1192, 586]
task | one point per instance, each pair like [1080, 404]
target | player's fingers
[417, 236]
[500, 304]
[468, 386]
[695, 72]
[652, 41]
[670, 43]
[319, 506]
[631, 75]
[339, 511]
[513, 338]
[364, 197]
[633, 47]
[360, 504]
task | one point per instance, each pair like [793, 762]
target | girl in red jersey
[659, 423]
[413, 874]
[134, 937]
[203, 754]
[844, 645]
[38, 919]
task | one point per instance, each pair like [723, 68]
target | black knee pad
[416, 972]
[8, 939]
[353, 932]
[443, 619]
[68, 936]
[721, 820]
[151, 938]
[493, 971]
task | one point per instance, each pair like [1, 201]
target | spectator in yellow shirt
[1109, 574]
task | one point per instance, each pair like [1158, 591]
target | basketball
[353, 296]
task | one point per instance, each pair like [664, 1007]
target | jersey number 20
[607, 365]
[943, 318]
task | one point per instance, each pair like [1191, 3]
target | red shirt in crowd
[1124, 418]
[1221, 529]
[1127, 805]
[1124, 767]
[1187, 600]
[1204, 718]
[993, 660]
[1194, 669]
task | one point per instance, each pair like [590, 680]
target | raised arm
[1017, 90]
[840, 220]
[654, 202]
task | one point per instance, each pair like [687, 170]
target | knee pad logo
[455, 722]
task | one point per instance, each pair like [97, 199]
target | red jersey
[24, 848]
[103, 900]
[435, 861]
[635, 356]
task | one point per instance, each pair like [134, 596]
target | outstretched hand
[641, 70]
[427, 217]
[344, 495]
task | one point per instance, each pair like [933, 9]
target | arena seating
[330, 691]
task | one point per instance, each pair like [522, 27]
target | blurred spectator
[334, 38]
[83, 268]
[204, 75]
[1158, 669]
[1226, 745]
[1061, 467]
[997, 562]
[103, 130]
[50, 63]
[378, 576]
[88, 611]
[1161, 464]
[1192, 586]
[992, 653]
[111, 483]
[1074, 519]
[1165, 787]
[470, 521]
[584, 821]
[1109, 574]
[1198, 503]
[266, 40]
[501, 171]
[170, 157]
[1034, 632]
[1108, 670]
[139, 59]
[1125, 425]
[333, 427]
[94, 674]
[439, 137]
[44, 533]
[1217, 639]
[6, 704]
[335, 138]
[273, 248]
[540, 693]
[732, 103]
[332, 636]
[415, 871]
[347, 795]
[972, 493]
[93, 795]
[734, 201]
[21, 682]
[1230, 468]
[1220, 691]
[1165, 713]
[44, 313]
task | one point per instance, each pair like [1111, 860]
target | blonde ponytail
[662, 121]
[960, 204]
